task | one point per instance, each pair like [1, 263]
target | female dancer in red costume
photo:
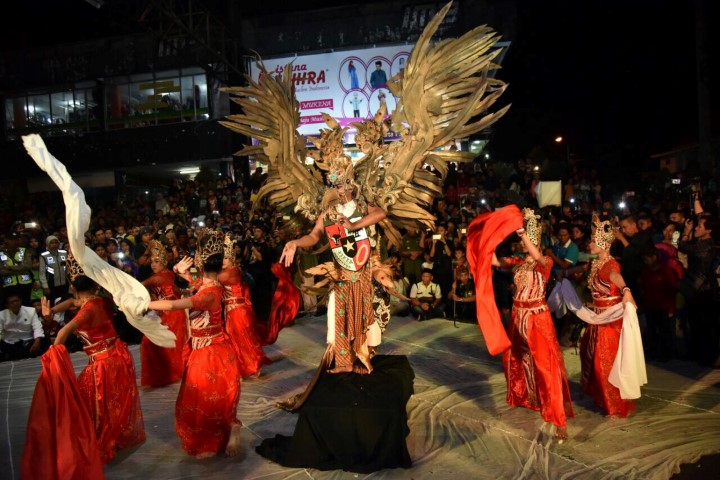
[107, 384]
[599, 344]
[163, 366]
[239, 315]
[206, 408]
[534, 365]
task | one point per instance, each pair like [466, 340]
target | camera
[436, 236]
[676, 181]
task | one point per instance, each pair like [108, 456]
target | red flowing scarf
[285, 305]
[484, 234]
[60, 440]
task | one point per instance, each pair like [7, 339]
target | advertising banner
[347, 85]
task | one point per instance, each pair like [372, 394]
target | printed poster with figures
[347, 85]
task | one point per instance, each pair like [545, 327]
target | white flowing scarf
[628, 372]
[129, 294]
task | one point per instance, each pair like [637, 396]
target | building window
[129, 101]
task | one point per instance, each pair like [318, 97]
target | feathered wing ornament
[271, 116]
[444, 94]
[132, 297]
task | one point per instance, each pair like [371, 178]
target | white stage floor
[460, 425]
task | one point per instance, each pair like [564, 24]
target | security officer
[16, 268]
[53, 278]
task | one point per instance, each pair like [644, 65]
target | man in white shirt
[20, 330]
[426, 298]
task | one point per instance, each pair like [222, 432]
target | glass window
[38, 111]
[129, 101]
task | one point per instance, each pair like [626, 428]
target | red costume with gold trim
[162, 366]
[599, 344]
[206, 407]
[534, 365]
[107, 384]
[240, 323]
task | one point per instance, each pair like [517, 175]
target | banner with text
[347, 85]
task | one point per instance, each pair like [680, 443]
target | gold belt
[235, 301]
[206, 332]
[95, 350]
[605, 303]
[534, 304]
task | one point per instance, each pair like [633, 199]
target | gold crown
[210, 243]
[604, 234]
[533, 229]
[229, 247]
[158, 253]
[73, 268]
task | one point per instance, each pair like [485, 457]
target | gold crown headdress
[604, 234]
[73, 268]
[158, 253]
[533, 229]
[210, 243]
[229, 247]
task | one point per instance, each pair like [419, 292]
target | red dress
[107, 384]
[240, 323]
[159, 365]
[534, 365]
[206, 407]
[599, 345]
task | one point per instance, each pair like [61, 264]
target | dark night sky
[616, 78]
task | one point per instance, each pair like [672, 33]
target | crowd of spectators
[661, 244]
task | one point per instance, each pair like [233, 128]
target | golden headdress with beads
[73, 268]
[533, 228]
[229, 247]
[604, 235]
[158, 253]
[210, 243]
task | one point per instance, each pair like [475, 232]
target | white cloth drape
[628, 372]
[129, 294]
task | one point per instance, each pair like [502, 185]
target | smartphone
[436, 236]
[30, 225]
[463, 230]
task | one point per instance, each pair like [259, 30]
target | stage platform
[460, 425]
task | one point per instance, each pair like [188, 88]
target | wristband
[625, 289]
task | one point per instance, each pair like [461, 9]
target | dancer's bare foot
[561, 434]
[341, 369]
[204, 455]
[233, 446]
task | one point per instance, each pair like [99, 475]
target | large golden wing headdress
[271, 115]
[444, 94]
